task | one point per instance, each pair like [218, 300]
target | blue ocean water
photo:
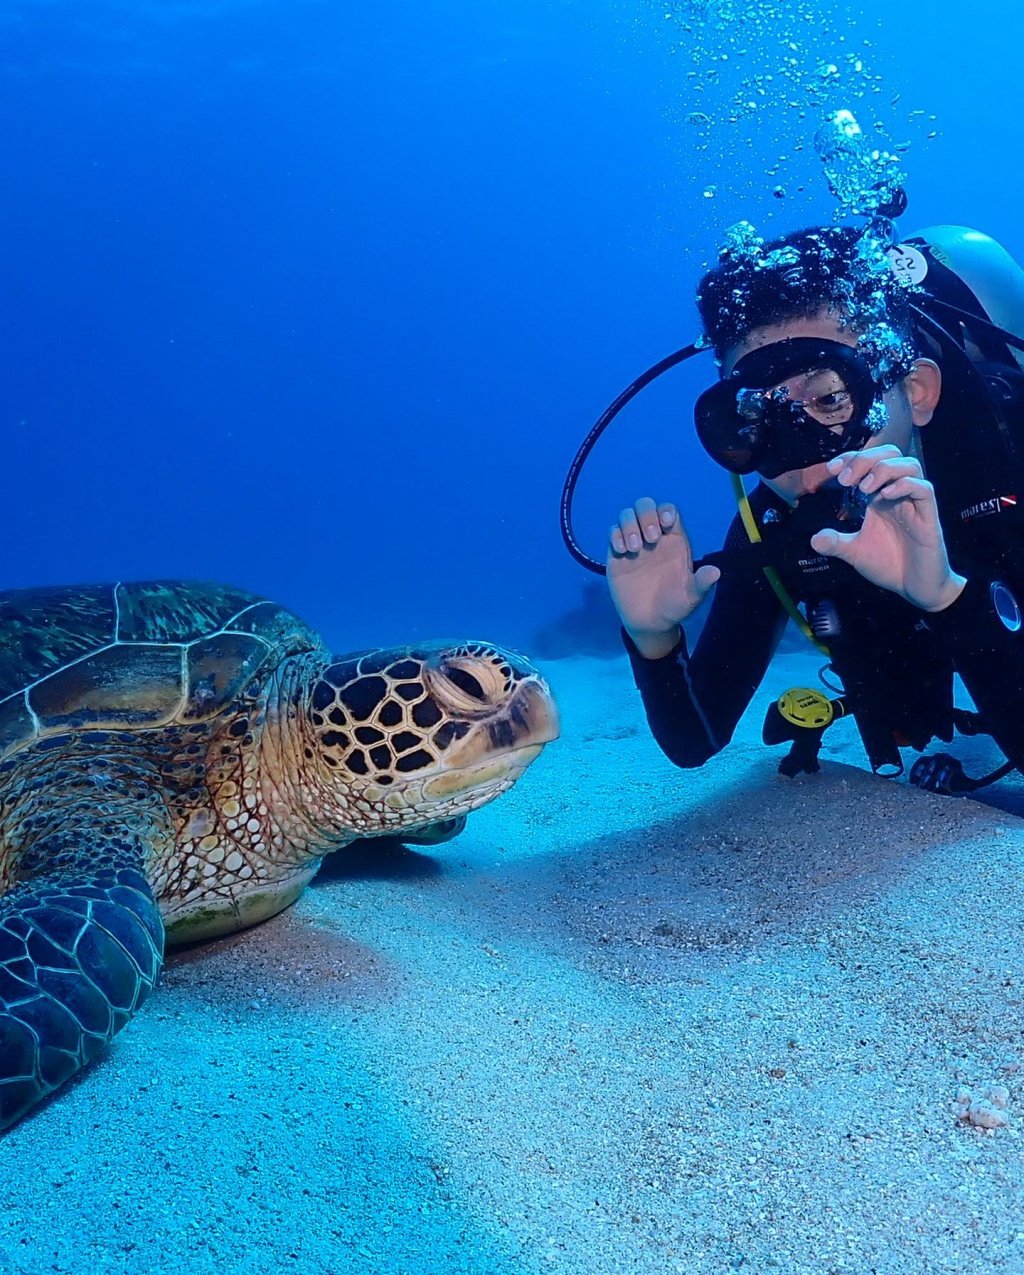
[318, 298]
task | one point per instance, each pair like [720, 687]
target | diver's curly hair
[757, 284]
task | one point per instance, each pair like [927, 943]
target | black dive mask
[788, 405]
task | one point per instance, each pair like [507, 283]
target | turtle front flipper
[434, 834]
[81, 942]
[78, 956]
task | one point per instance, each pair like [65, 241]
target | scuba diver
[873, 388]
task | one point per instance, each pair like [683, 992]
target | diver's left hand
[899, 545]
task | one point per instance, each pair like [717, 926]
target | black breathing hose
[590, 442]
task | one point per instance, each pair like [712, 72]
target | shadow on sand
[769, 861]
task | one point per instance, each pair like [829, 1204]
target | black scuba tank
[973, 448]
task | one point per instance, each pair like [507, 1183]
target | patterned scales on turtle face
[175, 760]
[378, 717]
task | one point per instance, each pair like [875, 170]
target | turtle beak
[493, 759]
[527, 722]
[531, 718]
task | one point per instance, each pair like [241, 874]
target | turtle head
[413, 736]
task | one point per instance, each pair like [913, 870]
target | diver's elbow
[688, 756]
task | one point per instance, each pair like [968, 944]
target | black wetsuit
[693, 702]
[896, 662]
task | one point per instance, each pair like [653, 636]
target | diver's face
[826, 325]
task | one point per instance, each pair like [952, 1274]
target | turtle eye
[470, 682]
[466, 682]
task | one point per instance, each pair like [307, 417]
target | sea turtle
[177, 758]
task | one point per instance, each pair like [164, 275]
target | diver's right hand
[651, 576]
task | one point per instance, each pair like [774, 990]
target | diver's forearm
[655, 646]
[676, 717]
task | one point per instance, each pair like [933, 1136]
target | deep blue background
[319, 297]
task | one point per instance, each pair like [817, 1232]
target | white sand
[634, 1020]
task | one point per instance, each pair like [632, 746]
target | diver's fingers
[908, 487]
[648, 519]
[850, 467]
[645, 522]
[678, 529]
[832, 544]
[705, 577]
[629, 529]
[884, 451]
[885, 472]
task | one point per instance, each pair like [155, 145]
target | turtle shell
[133, 656]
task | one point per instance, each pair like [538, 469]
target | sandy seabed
[635, 1019]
